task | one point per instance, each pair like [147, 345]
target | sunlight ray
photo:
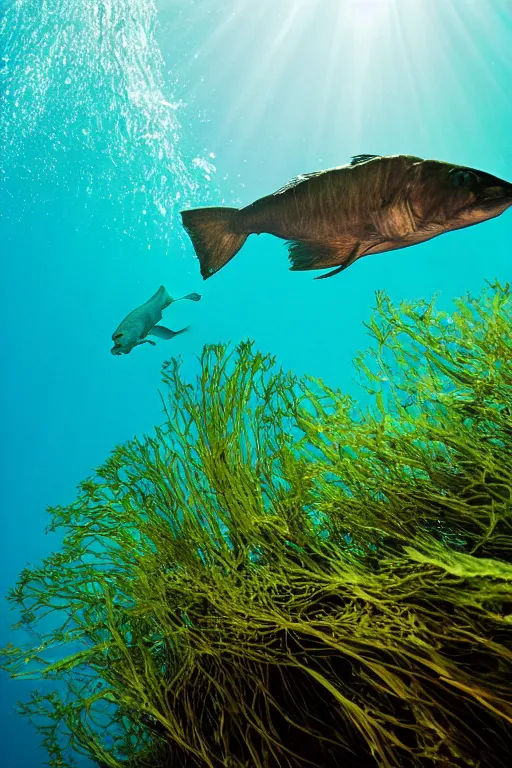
[468, 26]
[414, 74]
[332, 64]
[265, 78]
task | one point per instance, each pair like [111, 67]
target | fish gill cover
[276, 577]
[85, 111]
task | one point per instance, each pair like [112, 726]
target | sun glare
[346, 62]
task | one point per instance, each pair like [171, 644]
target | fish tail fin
[190, 297]
[213, 236]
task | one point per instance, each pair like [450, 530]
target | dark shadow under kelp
[279, 579]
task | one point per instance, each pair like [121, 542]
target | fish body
[332, 218]
[143, 321]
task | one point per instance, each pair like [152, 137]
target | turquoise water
[117, 114]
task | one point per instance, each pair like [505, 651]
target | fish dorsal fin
[357, 159]
[307, 176]
[298, 180]
[157, 294]
[162, 296]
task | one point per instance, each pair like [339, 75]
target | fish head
[124, 341]
[476, 196]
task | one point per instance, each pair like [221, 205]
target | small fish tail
[189, 297]
[213, 236]
[192, 296]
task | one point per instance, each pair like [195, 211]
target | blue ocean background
[117, 114]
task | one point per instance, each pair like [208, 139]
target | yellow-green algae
[280, 578]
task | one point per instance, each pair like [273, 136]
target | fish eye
[461, 177]
[116, 336]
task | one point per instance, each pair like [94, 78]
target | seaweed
[279, 577]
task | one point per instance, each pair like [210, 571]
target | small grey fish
[332, 218]
[142, 322]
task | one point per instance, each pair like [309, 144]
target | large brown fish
[332, 218]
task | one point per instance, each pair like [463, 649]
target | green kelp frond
[278, 578]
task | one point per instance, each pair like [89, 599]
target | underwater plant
[281, 578]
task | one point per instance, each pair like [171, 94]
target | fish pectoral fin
[353, 256]
[145, 341]
[164, 333]
[359, 250]
[306, 255]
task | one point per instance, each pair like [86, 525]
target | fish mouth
[117, 350]
[497, 197]
[498, 193]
